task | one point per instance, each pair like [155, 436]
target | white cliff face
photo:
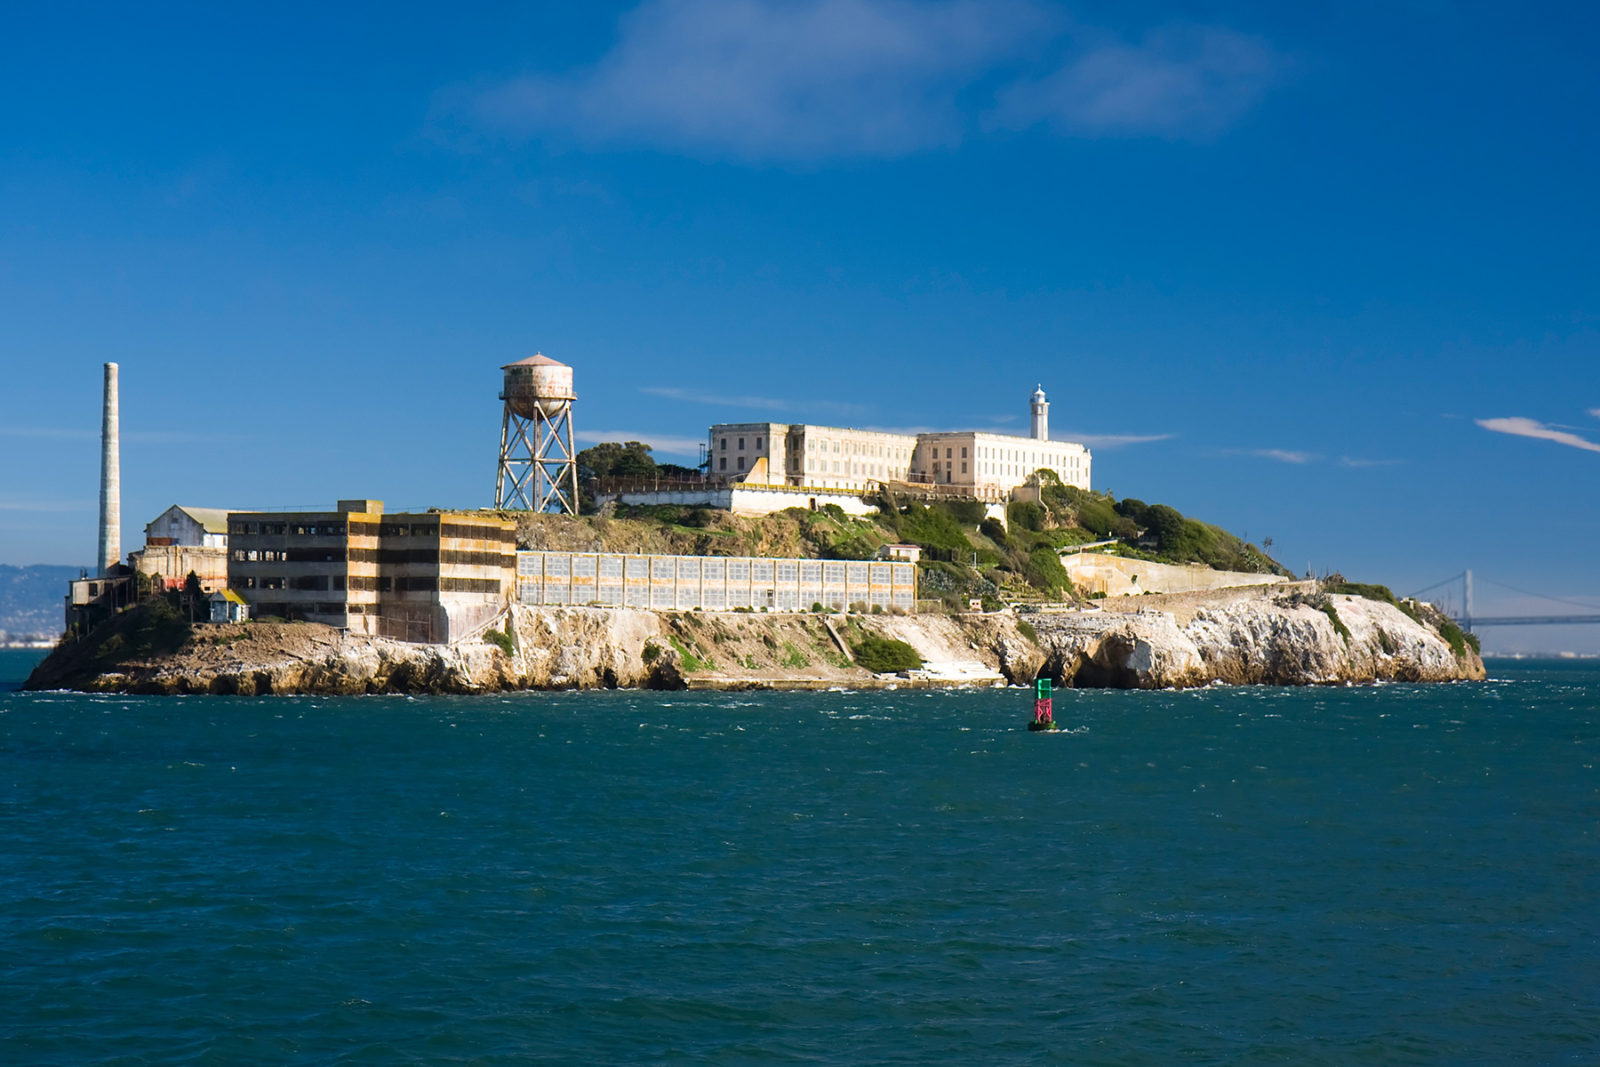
[1283, 641]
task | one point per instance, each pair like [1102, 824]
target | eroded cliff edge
[1240, 637]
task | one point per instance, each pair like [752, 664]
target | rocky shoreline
[1238, 637]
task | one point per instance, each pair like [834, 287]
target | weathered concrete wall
[745, 499]
[1092, 572]
[174, 562]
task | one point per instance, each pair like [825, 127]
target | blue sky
[1323, 276]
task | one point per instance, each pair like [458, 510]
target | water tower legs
[538, 468]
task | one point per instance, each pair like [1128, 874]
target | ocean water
[1386, 875]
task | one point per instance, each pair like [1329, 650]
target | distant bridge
[1461, 609]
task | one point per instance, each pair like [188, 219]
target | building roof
[538, 359]
[211, 520]
[227, 594]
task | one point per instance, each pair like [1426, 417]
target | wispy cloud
[1179, 82]
[1518, 426]
[1595, 412]
[1281, 455]
[1112, 440]
[46, 505]
[47, 433]
[757, 403]
[695, 396]
[670, 444]
[1350, 461]
[131, 437]
[804, 80]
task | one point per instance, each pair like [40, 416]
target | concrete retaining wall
[745, 499]
[1092, 572]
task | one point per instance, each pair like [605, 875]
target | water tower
[538, 467]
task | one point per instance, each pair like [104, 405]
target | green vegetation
[650, 652]
[1338, 624]
[688, 660]
[884, 655]
[1458, 640]
[1379, 593]
[1025, 628]
[967, 552]
[154, 628]
[624, 459]
[793, 658]
[500, 639]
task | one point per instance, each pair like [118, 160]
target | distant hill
[30, 598]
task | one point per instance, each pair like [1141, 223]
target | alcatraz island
[793, 556]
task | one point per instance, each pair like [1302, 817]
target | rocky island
[1281, 637]
[1009, 616]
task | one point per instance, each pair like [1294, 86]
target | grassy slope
[965, 556]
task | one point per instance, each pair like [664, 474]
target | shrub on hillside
[1026, 515]
[1045, 573]
[885, 655]
[932, 528]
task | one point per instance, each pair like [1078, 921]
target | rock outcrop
[1244, 640]
[1251, 637]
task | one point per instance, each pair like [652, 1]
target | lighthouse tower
[1041, 415]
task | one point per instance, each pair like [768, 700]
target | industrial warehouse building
[983, 466]
[428, 576]
[184, 540]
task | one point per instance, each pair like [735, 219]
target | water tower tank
[538, 387]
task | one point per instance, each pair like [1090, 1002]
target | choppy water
[1382, 875]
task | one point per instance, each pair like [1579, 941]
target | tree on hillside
[193, 595]
[611, 459]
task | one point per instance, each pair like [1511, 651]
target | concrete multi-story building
[428, 576]
[988, 466]
[992, 464]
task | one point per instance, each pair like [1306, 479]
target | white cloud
[1181, 82]
[759, 403]
[775, 79]
[1521, 427]
[127, 437]
[48, 433]
[45, 505]
[670, 444]
[1595, 412]
[1281, 455]
[694, 396]
[1348, 461]
[1112, 440]
[802, 80]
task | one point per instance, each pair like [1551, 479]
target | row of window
[335, 583]
[294, 612]
[857, 448]
[461, 530]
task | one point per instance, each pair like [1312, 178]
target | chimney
[110, 478]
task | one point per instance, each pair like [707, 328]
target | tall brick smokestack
[110, 478]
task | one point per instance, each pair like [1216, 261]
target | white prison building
[988, 466]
